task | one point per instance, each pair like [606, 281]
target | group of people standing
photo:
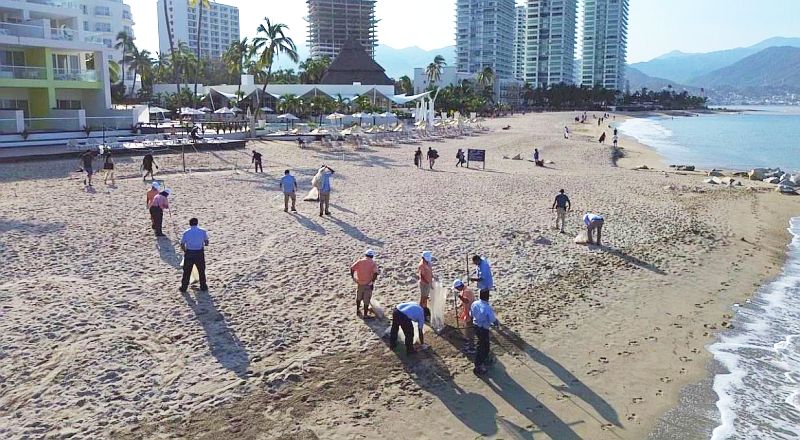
[477, 314]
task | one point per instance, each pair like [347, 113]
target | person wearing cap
[593, 222]
[483, 319]
[364, 272]
[404, 316]
[561, 204]
[425, 278]
[193, 242]
[467, 297]
[325, 190]
[157, 207]
[483, 274]
[257, 161]
[289, 186]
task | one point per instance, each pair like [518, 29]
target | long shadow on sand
[572, 384]
[630, 259]
[354, 232]
[222, 342]
[166, 250]
[431, 374]
[309, 224]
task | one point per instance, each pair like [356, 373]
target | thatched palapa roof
[354, 65]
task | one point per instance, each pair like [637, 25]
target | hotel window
[102, 11]
[68, 104]
[12, 57]
[102, 27]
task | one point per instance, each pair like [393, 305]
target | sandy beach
[595, 342]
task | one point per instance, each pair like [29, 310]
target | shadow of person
[354, 232]
[630, 259]
[166, 250]
[506, 387]
[222, 342]
[308, 223]
[572, 384]
[431, 374]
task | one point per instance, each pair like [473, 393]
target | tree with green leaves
[142, 65]
[200, 5]
[434, 69]
[404, 86]
[271, 41]
[170, 37]
[124, 43]
[235, 58]
[313, 69]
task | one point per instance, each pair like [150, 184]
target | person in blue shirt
[593, 222]
[289, 186]
[483, 274]
[404, 316]
[325, 191]
[483, 319]
[193, 241]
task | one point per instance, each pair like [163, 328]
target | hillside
[683, 68]
[774, 67]
[637, 79]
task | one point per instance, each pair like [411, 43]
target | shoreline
[596, 342]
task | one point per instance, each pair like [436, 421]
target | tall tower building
[605, 43]
[520, 41]
[218, 29]
[550, 53]
[485, 36]
[332, 22]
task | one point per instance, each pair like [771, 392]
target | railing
[22, 72]
[96, 123]
[51, 124]
[21, 30]
[39, 31]
[8, 126]
[63, 34]
[74, 75]
[56, 3]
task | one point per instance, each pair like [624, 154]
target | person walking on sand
[364, 272]
[257, 161]
[593, 222]
[325, 190]
[425, 271]
[147, 165]
[404, 316]
[155, 188]
[602, 139]
[615, 139]
[483, 319]
[193, 243]
[460, 158]
[87, 159]
[566, 131]
[108, 169]
[157, 207]
[432, 156]
[483, 274]
[289, 186]
[418, 158]
[561, 204]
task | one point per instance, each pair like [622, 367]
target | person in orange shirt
[425, 278]
[467, 297]
[364, 272]
[154, 190]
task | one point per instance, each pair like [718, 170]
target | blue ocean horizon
[755, 137]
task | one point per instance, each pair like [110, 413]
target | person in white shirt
[593, 222]
[193, 242]
[289, 187]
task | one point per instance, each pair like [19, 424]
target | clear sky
[655, 26]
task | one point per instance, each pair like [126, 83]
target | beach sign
[476, 156]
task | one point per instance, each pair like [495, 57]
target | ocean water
[757, 137]
[758, 389]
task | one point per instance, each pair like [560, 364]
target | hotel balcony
[22, 72]
[42, 30]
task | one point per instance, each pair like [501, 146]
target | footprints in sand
[666, 379]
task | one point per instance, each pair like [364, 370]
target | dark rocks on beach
[683, 167]
[715, 173]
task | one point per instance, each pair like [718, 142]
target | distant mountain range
[765, 71]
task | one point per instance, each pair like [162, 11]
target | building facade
[605, 38]
[50, 63]
[332, 22]
[218, 29]
[520, 40]
[485, 36]
[550, 54]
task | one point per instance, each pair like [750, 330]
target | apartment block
[332, 22]
[485, 36]
[520, 40]
[550, 54]
[605, 35]
[218, 29]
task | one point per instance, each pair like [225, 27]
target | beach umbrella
[204, 109]
[237, 110]
[288, 117]
[158, 110]
[224, 111]
[267, 109]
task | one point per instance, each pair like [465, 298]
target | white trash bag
[582, 238]
[438, 302]
[377, 308]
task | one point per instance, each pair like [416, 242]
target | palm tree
[161, 68]
[142, 64]
[201, 5]
[312, 70]
[486, 77]
[124, 43]
[172, 51]
[235, 57]
[270, 43]
[434, 69]
[404, 85]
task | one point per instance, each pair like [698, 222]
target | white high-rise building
[605, 39]
[520, 41]
[332, 22]
[219, 27]
[485, 36]
[550, 53]
[106, 19]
